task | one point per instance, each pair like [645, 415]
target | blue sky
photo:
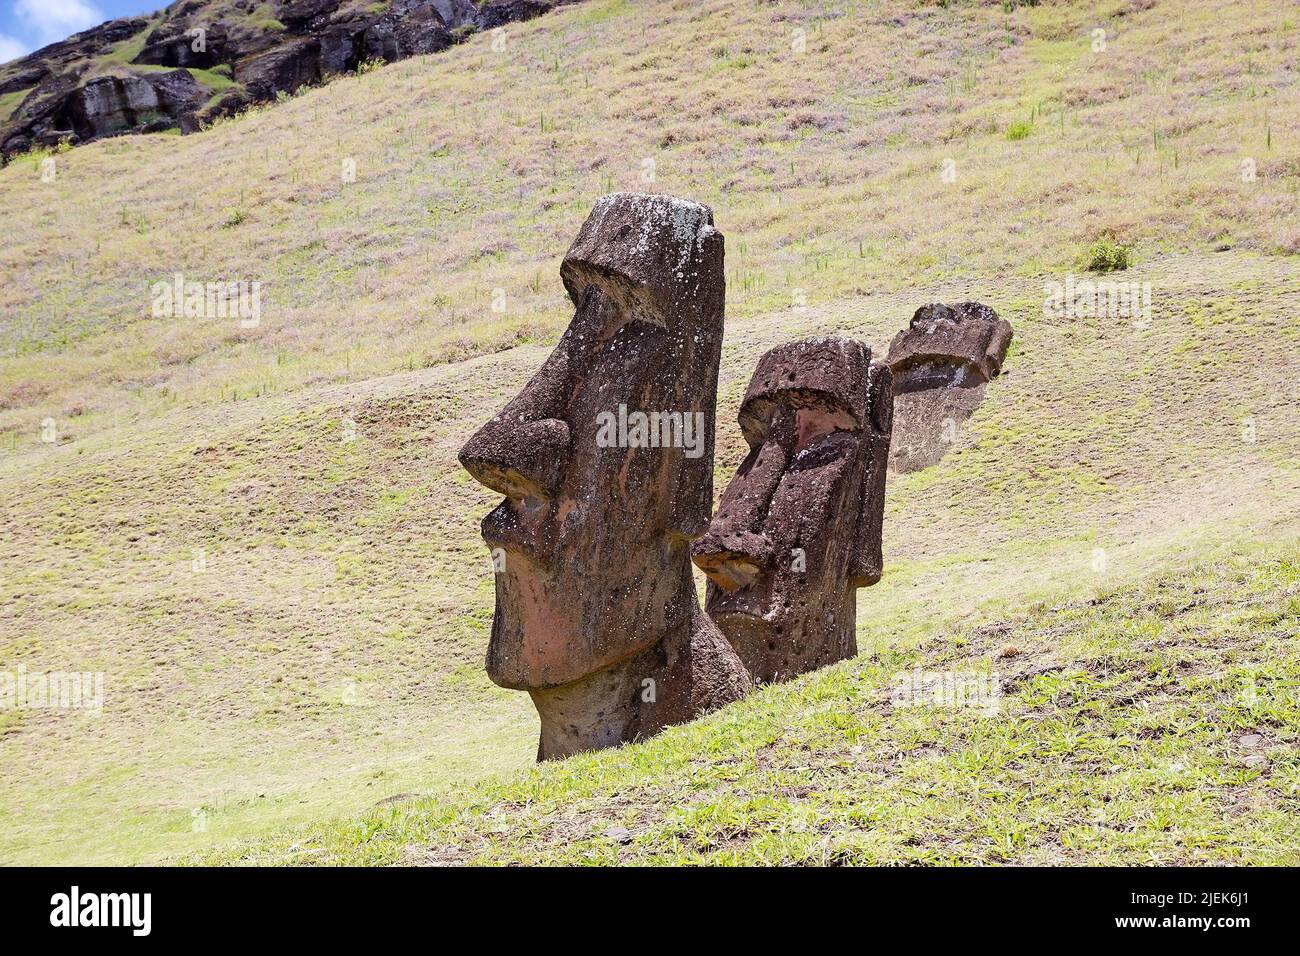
[26, 25]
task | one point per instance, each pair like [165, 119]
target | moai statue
[798, 529]
[941, 364]
[606, 463]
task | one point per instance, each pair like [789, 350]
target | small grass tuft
[1108, 255]
[1020, 129]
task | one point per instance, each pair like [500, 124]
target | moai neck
[826, 637]
[623, 702]
[690, 671]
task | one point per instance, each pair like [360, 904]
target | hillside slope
[1154, 724]
[197, 60]
[261, 534]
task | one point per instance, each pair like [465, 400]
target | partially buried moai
[798, 529]
[941, 363]
[606, 463]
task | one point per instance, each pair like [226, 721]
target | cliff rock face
[200, 59]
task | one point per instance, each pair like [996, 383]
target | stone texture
[941, 363]
[798, 528]
[113, 104]
[170, 45]
[596, 613]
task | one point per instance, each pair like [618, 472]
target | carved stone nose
[518, 459]
[732, 559]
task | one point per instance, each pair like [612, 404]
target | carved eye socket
[815, 423]
[822, 449]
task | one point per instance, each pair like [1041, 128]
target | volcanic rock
[798, 530]
[605, 460]
[941, 363]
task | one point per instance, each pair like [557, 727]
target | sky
[26, 25]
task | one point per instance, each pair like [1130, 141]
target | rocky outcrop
[941, 363]
[605, 462]
[82, 88]
[798, 529]
[112, 104]
[174, 47]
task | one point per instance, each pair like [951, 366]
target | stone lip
[949, 345]
[320, 38]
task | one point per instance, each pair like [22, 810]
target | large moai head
[941, 363]
[798, 529]
[605, 460]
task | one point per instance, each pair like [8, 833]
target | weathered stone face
[594, 588]
[962, 344]
[941, 363]
[111, 104]
[798, 529]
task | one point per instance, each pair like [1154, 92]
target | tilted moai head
[606, 463]
[798, 529]
[941, 363]
[949, 346]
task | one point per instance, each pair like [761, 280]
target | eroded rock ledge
[148, 74]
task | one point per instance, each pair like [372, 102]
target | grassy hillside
[1153, 724]
[262, 535]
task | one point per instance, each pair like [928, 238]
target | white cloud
[50, 20]
[11, 48]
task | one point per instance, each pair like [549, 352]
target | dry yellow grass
[472, 166]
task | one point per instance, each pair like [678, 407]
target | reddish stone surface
[596, 612]
[941, 363]
[798, 528]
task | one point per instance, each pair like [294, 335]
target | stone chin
[748, 605]
[787, 643]
[544, 635]
[528, 648]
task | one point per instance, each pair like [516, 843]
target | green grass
[1020, 129]
[214, 79]
[1107, 255]
[794, 182]
[1154, 723]
[127, 50]
[11, 101]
